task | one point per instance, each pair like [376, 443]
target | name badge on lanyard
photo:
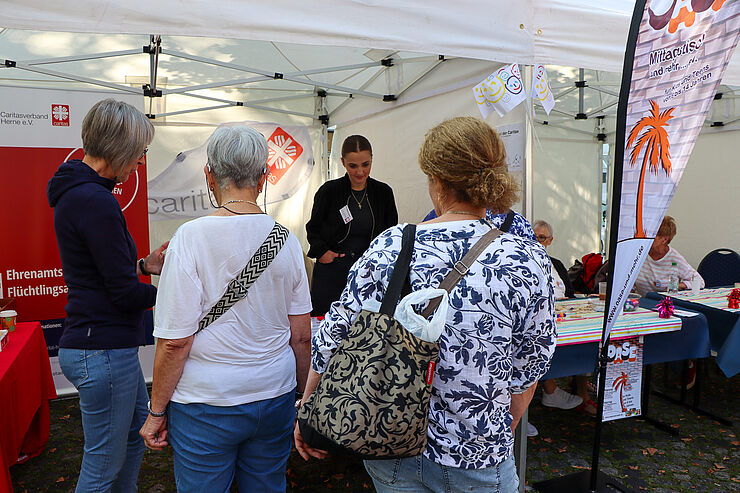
[346, 214]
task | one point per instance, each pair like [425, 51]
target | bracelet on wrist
[143, 270]
[156, 415]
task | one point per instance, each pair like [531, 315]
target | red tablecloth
[26, 385]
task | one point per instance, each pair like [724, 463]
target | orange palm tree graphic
[650, 134]
[619, 383]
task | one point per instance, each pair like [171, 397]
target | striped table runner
[715, 297]
[583, 324]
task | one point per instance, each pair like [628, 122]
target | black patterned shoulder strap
[238, 287]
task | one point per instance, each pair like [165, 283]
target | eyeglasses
[146, 149]
[543, 237]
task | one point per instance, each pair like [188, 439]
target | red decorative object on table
[733, 299]
[665, 308]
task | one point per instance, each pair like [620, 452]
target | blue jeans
[212, 444]
[419, 474]
[113, 401]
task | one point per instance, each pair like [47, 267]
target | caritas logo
[283, 150]
[60, 115]
[673, 13]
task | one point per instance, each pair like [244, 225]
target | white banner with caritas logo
[681, 49]
[180, 191]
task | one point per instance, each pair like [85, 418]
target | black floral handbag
[373, 399]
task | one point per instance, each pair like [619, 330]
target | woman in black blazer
[348, 213]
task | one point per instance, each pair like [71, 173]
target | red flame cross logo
[60, 115]
[283, 150]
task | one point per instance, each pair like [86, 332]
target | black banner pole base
[580, 482]
[661, 425]
[694, 408]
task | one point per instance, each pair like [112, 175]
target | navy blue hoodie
[106, 302]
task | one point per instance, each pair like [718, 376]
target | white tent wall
[567, 190]
[705, 203]
[566, 185]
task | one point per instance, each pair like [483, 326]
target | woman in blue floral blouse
[499, 334]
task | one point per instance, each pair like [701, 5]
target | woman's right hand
[329, 256]
[305, 450]
[154, 432]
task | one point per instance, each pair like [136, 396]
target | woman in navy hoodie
[98, 350]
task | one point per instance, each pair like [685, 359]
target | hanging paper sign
[513, 138]
[501, 91]
[676, 55]
[180, 192]
[623, 379]
[541, 88]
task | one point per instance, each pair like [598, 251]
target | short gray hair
[116, 132]
[238, 156]
[542, 224]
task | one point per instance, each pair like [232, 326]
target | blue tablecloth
[724, 332]
[692, 341]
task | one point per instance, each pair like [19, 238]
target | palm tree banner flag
[677, 52]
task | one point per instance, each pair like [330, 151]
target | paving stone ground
[705, 457]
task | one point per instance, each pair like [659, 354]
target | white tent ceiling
[576, 33]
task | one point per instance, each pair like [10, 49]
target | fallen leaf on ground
[61, 479]
[634, 468]
[719, 466]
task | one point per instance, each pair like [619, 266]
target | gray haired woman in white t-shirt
[224, 397]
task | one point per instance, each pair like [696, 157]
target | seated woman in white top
[658, 265]
[552, 395]
[228, 391]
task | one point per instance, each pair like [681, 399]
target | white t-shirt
[660, 270]
[245, 355]
[558, 284]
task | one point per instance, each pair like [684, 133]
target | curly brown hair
[469, 159]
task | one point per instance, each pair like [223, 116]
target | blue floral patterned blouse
[519, 225]
[498, 338]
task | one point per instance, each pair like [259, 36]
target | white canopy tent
[330, 59]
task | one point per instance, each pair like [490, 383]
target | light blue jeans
[419, 474]
[213, 444]
[113, 399]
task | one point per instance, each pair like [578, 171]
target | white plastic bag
[416, 324]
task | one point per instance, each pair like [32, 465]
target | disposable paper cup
[7, 320]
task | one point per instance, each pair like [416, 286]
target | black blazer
[563, 273]
[326, 229]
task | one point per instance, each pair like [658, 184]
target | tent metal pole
[78, 78]
[604, 107]
[248, 105]
[79, 58]
[283, 98]
[528, 147]
[581, 84]
[604, 91]
[419, 77]
[564, 113]
[212, 85]
[563, 93]
[363, 86]
[195, 110]
[274, 75]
